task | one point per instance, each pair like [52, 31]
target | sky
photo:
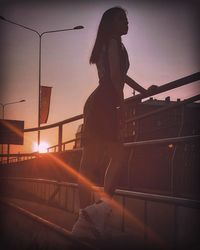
[162, 43]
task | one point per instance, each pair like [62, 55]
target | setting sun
[42, 148]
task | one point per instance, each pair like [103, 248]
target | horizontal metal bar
[166, 87]
[168, 107]
[72, 119]
[159, 198]
[20, 155]
[181, 139]
[33, 155]
[36, 154]
[121, 192]
[63, 143]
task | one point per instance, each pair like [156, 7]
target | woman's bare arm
[133, 84]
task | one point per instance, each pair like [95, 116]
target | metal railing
[153, 208]
[55, 148]
[56, 195]
[49, 196]
[61, 146]
[166, 87]
[60, 128]
[64, 195]
[172, 142]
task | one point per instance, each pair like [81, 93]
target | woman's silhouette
[104, 115]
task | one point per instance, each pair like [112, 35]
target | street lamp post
[6, 104]
[40, 35]
[3, 105]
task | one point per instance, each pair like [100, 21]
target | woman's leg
[100, 212]
[114, 169]
[91, 158]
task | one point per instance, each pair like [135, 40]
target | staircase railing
[61, 146]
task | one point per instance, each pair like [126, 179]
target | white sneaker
[99, 214]
[84, 227]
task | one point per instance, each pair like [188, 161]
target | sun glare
[42, 148]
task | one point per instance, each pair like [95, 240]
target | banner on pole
[45, 97]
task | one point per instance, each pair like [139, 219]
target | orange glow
[42, 148]
[117, 206]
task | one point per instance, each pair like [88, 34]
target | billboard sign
[11, 132]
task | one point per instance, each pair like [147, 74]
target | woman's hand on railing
[152, 87]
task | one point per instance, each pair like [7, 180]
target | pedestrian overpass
[166, 216]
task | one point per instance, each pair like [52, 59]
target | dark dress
[101, 123]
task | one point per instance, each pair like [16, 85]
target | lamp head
[79, 27]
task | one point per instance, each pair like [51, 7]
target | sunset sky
[162, 44]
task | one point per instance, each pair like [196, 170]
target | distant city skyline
[162, 43]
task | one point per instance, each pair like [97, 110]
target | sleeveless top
[103, 65]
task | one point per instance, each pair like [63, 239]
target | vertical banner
[45, 97]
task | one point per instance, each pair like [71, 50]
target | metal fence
[170, 218]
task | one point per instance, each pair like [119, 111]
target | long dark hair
[104, 32]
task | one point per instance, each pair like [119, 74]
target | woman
[104, 115]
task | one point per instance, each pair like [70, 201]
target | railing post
[60, 138]
[8, 153]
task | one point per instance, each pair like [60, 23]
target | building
[180, 121]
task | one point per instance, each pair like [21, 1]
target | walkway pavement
[55, 215]
[62, 219]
